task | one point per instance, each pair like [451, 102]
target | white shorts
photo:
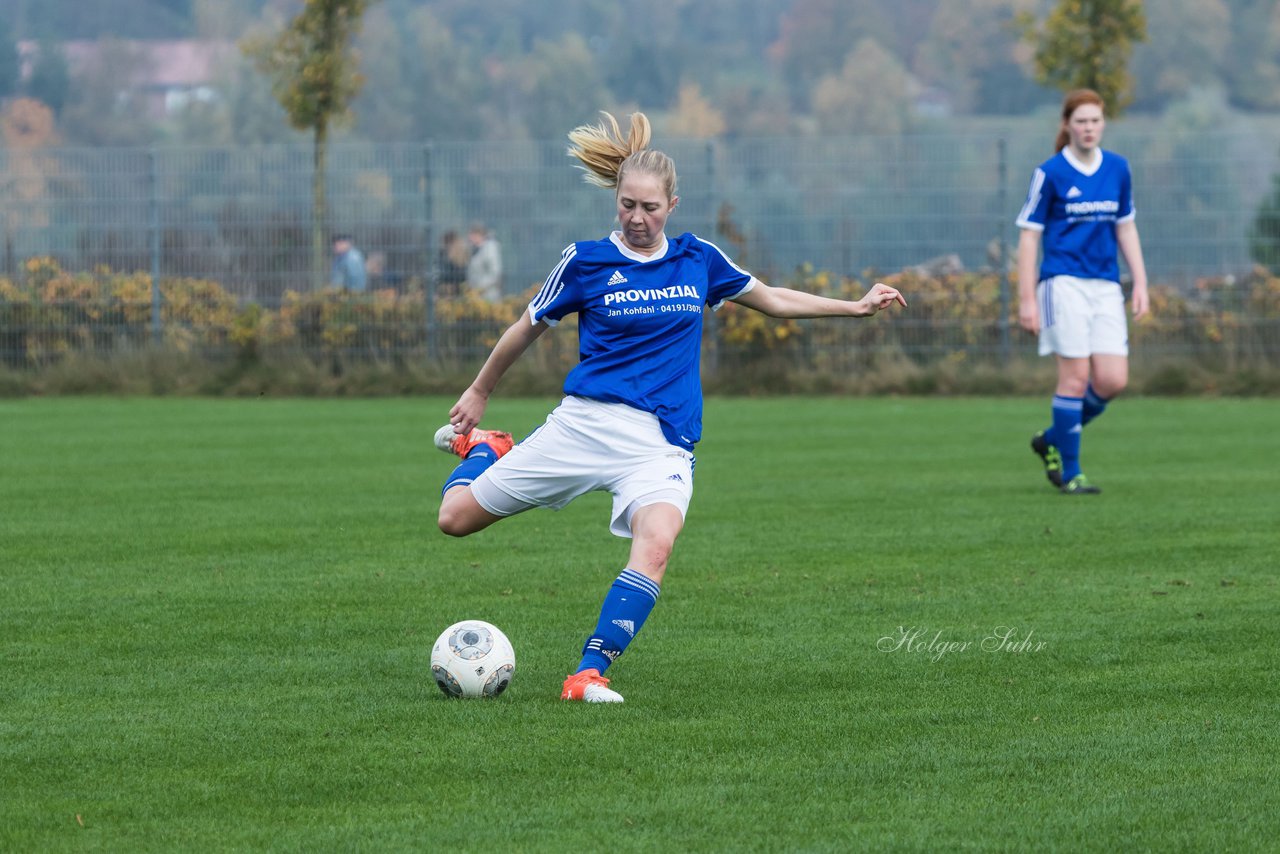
[584, 446]
[1081, 318]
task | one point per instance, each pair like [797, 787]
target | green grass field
[216, 615]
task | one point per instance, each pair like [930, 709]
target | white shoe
[444, 438]
[461, 445]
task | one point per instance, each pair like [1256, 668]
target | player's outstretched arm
[786, 302]
[467, 412]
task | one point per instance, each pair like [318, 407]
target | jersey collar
[1080, 167]
[616, 237]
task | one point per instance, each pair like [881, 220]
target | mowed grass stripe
[217, 615]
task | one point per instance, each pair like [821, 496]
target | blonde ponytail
[606, 157]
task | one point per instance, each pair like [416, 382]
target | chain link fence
[147, 232]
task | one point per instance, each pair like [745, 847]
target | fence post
[431, 274]
[1002, 253]
[709, 317]
[153, 191]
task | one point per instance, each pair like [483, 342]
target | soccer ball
[472, 659]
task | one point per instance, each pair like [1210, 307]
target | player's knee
[450, 524]
[654, 530]
[453, 521]
[1072, 386]
[1111, 389]
[1111, 384]
[650, 556]
[658, 553]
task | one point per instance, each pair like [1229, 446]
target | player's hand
[1029, 316]
[880, 297]
[1141, 303]
[466, 413]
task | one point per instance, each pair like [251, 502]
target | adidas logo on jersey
[1073, 193]
[617, 279]
[627, 626]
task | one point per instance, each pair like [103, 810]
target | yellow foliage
[9, 292]
[1264, 296]
[694, 116]
[956, 315]
[28, 124]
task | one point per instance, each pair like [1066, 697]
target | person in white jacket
[484, 271]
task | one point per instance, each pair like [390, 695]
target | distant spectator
[484, 272]
[453, 259]
[379, 277]
[348, 271]
[375, 268]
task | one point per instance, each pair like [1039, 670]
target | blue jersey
[1078, 209]
[640, 323]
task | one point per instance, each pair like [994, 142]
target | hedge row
[53, 317]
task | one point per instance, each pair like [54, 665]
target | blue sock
[478, 459]
[1067, 413]
[625, 608]
[1094, 405]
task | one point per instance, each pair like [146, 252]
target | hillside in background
[114, 73]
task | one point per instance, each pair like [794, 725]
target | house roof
[178, 63]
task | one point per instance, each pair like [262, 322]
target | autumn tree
[559, 77]
[815, 36]
[869, 95]
[50, 80]
[313, 68]
[1187, 44]
[972, 53]
[26, 130]
[1085, 44]
[423, 82]
[1253, 74]
[103, 104]
[694, 116]
[221, 20]
[1264, 236]
[10, 66]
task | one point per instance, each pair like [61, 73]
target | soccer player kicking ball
[632, 410]
[1080, 207]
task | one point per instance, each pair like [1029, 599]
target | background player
[1080, 208]
[632, 411]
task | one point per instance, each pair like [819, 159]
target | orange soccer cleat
[589, 687]
[462, 443]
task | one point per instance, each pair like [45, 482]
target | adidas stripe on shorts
[587, 446]
[1081, 318]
